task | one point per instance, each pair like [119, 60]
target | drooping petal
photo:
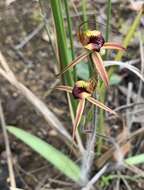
[74, 62]
[100, 105]
[98, 62]
[64, 88]
[79, 113]
[113, 45]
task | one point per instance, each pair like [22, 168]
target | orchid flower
[82, 91]
[93, 41]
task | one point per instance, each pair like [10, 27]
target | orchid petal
[79, 113]
[98, 62]
[64, 88]
[100, 105]
[74, 62]
[113, 45]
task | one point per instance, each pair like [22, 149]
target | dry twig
[96, 178]
[8, 151]
[52, 120]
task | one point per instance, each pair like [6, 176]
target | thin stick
[13, 188]
[42, 108]
[142, 64]
[129, 121]
[8, 151]
[135, 169]
[125, 181]
[96, 177]
[128, 106]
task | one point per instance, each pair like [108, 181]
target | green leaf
[138, 159]
[54, 156]
[115, 79]
[82, 71]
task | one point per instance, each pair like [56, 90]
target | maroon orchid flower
[93, 41]
[83, 91]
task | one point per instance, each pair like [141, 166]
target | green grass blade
[130, 34]
[69, 28]
[102, 97]
[62, 44]
[108, 25]
[51, 154]
[61, 39]
[118, 57]
[126, 42]
[134, 160]
[70, 34]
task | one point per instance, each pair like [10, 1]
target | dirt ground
[34, 65]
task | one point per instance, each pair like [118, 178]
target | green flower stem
[108, 26]
[101, 129]
[84, 11]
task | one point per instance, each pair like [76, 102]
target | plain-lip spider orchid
[93, 41]
[82, 91]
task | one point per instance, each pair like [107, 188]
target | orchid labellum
[93, 41]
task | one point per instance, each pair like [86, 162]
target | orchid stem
[108, 26]
[84, 10]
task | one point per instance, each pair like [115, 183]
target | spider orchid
[93, 41]
[82, 91]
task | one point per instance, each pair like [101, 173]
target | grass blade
[84, 11]
[135, 70]
[51, 154]
[69, 28]
[56, 6]
[61, 38]
[108, 27]
[134, 160]
[130, 34]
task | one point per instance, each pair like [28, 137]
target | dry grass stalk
[88, 154]
[52, 120]
[8, 151]
[12, 188]
[95, 178]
